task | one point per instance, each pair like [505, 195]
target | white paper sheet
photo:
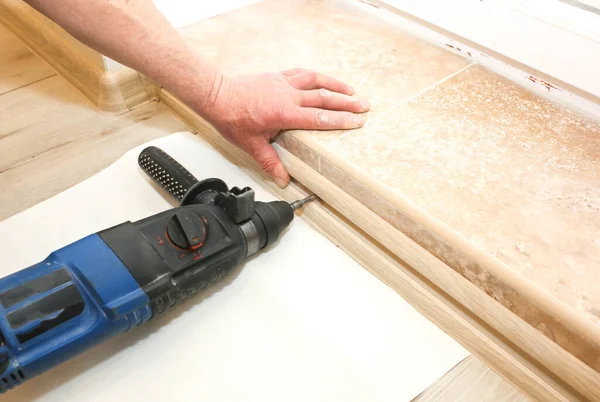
[300, 322]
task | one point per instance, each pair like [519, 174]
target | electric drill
[121, 277]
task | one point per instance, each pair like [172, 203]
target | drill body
[109, 282]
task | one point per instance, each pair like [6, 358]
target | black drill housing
[176, 253]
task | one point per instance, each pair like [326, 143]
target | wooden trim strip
[546, 314]
[84, 68]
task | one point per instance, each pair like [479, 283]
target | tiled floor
[344, 44]
[515, 174]
[488, 161]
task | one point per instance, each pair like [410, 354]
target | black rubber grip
[166, 171]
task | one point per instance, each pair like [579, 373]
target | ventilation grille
[11, 380]
[138, 317]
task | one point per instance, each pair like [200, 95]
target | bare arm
[248, 111]
[137, 35]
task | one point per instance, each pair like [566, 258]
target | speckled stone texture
[515, 175]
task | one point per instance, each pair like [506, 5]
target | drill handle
[166, 172]
[64, 305]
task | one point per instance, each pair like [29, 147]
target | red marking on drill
[182, 256]
[197, 246]
[160, 241]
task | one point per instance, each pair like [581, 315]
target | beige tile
[306, 154]
[18, 66]
[515, 174]
[359, 192]
[337, 38]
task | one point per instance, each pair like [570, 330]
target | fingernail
[323, 118]
[281, 182]
[351, 90]
[365, 104]
[359, 120]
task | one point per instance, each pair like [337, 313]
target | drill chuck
[296, 205]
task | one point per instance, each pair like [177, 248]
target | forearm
[136, 34]
[249, 111]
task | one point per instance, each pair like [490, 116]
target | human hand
[250, 111]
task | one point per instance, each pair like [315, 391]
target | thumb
[268, 159]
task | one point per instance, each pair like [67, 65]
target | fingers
[308, 79]
[306, 118]
[292, 71]
[268, 159]
[324, 99]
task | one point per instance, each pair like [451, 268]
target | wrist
[216, 105]
[209, 105]
[195, 82]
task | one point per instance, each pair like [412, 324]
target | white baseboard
[551, 38]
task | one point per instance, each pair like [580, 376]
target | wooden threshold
[505, 342]
[508, 344]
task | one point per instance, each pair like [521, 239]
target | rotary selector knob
[186, 230]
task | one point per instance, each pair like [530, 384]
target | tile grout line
[410, 99]
[430, 88]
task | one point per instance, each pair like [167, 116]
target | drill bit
[296, 205]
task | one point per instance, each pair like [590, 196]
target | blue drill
[117, 279]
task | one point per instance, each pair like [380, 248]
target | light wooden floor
[471, 381]
[52, 138]
[50, 135]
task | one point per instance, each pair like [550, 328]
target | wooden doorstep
[107, 137]
[84, 68]
[93, 140]
[508, 344]
[495, 182]
[474, 315]
[125, 90]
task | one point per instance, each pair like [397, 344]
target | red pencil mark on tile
[545, 84]
[548, 86]
[456, 48]
[469, 53]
